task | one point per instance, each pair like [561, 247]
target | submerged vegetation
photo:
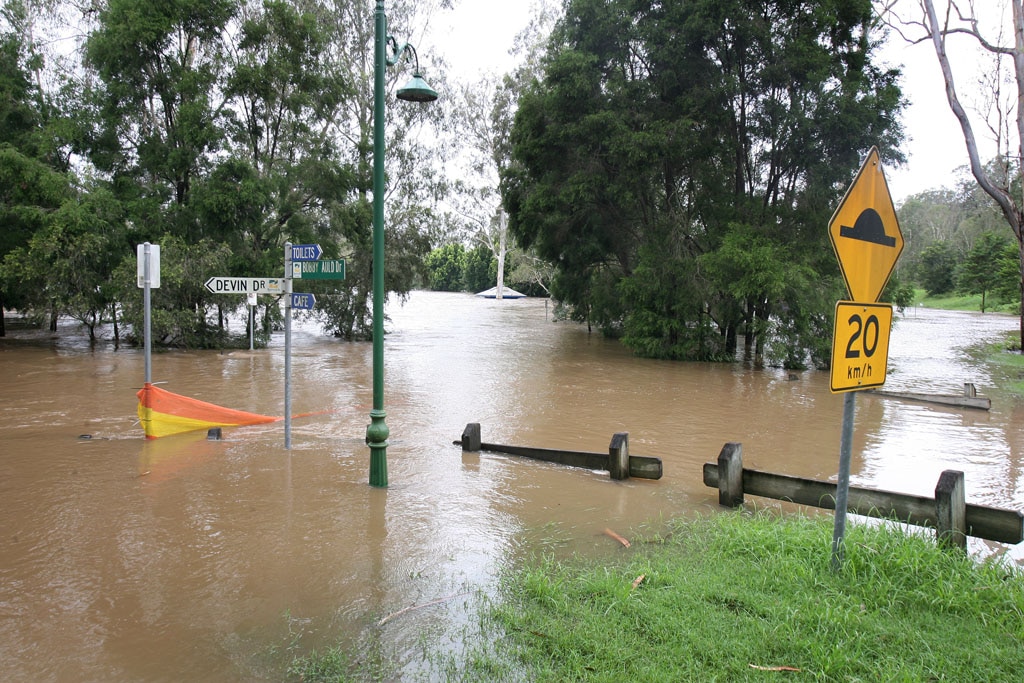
[735, 597]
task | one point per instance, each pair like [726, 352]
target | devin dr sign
[245, 285]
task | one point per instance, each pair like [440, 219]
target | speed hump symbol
[865, 233]
[860, 346]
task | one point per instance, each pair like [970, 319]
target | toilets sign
[865, 233]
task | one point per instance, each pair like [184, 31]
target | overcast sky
[478, 34]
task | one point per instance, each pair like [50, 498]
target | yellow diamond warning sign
[865, 233]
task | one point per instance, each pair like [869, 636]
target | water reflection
[188, 559]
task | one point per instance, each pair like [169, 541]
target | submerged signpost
[866, 238]
[148, 276]
[300, 261]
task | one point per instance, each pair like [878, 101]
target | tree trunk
[502, 230]
[749, 335]
[1007, 203]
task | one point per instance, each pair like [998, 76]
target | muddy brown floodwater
[176, 559]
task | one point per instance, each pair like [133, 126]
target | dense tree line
[668, 169]
[957, 242]
[678, 163]
[219, 129]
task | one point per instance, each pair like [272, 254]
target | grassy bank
[738, 597]
[1005, 363]
[963, 302]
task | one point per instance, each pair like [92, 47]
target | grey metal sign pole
[147, 316]
[287, 345]
[843, 485]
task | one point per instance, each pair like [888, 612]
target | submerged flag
[164, 413]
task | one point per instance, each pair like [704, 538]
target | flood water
[175, 559]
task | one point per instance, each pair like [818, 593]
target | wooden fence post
[951, 510]
[730, 475]
[471, 437]
[618, 456]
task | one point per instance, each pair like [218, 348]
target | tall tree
[475, 196]
[415, 185]
[664, 133]
[979, 273]
[32, 180]
[160, 65]
[935, 23]
[286, 179]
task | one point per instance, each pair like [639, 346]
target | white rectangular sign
[154, 265]
[245, 285]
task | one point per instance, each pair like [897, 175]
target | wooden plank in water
[641, 467]
[979, 402]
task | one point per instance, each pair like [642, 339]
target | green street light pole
[416, 90]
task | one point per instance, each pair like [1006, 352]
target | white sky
[478, 34]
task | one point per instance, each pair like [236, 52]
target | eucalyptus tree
[474, 197]
[931, 22]
[285, 179]
[414, 184]
[667, 142]
[160, 65]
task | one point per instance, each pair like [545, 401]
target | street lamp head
[417, 90]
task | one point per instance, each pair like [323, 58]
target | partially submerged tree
[666, 142]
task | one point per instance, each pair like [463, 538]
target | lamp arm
[399, 50]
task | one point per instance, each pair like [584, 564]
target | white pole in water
[251, 298]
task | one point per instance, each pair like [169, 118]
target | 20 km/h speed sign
[860, 346]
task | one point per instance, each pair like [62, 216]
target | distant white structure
[506, 293]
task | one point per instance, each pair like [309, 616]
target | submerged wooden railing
[968, 399]
[948, 513]
[619, 463]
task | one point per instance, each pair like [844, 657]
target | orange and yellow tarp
[164, 413]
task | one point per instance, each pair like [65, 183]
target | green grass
[729, 593]
[1006, 362]
[963, 302]
[735, 596]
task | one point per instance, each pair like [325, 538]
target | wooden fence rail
[618, 460]
[947, 513]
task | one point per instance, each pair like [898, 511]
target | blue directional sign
[306, 252]
[305, 302]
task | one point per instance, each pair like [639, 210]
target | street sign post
[866, 238]
[328, 269]
[306, 252]
[865, 233]
[245, 285]
[304, 302]
[860, 346]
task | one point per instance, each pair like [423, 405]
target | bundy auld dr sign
[866, 237]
